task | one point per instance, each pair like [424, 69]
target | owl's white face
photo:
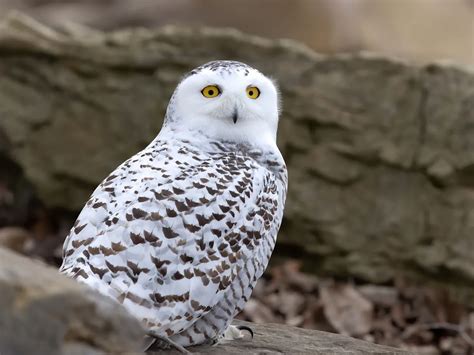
[226, 101]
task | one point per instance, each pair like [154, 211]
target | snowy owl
[180, 233]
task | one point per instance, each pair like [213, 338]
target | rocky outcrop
[43, 312]
[380, 152]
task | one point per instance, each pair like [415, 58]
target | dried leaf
[291, 303]
[257, 312]
[346, 309]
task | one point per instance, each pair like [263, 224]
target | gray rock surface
[45, 313]
[283, 339]
[380, 152]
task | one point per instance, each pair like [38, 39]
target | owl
[180, 233]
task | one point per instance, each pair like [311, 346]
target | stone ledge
[283, 339]
[43, 312]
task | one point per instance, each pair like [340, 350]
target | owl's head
[226, 100]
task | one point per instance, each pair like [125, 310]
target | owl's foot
[234, 332]
[164, 343]
[244, 327]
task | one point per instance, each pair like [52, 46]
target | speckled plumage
[181, 232]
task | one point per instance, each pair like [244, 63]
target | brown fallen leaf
[346, 309]
[258, 312]
[290, 303]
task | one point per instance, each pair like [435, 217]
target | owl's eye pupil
[211, 92]
[251, 93]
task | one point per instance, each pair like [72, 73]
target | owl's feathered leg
[164, 343]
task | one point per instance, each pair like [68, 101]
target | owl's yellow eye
[210, 91]
[253, 92]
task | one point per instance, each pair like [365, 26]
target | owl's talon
[234, 332]
[244, 327]
[162, 342]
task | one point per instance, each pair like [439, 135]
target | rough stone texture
[380, 152]
[283, 339]
[43, 312]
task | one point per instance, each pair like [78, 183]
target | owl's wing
[170, 230]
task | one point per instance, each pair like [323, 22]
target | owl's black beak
[235, 116]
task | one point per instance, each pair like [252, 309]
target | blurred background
[396, 311]
[417, 30]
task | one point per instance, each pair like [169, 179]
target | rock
[283, 339]
[43, 312]
[380, 152]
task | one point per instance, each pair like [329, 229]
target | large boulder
[43, 312]
[380, 152]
